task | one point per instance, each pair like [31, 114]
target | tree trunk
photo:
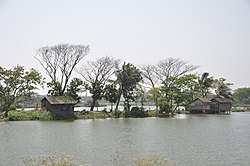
[93, 104]
[118, 102]
[6, 114]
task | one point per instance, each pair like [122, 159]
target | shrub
[29, 115]
[49, 160]
[157, 160]
[135, 112]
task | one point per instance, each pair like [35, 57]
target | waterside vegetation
[168, 84]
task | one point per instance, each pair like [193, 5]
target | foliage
[206, 83]
[242, 95]
[178, 91]
[49, 160]
[55, 88]
[128, 78]
[135, 112]
[29, 115]
[222, 88]
[96, 74]
[156, 160]
[111, 94]
[59, 62]
[15, 84]
[93, 115]
[74, 88]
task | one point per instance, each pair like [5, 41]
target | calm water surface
[184, 140]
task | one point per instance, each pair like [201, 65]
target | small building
[59, 106]
[213, 106]
[199, 106]
[221, 105]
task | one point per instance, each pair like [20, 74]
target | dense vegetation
[168, 84]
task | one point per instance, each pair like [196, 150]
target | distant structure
[59, 106]
[200, 106]
[213, 106]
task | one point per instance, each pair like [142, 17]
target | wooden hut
[199, 106]
[221, 105]
[59, 106]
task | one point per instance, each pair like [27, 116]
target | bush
[157, 160]
[49, 160]
[135, 112]
[29, 115]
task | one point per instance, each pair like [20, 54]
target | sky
[213, 34]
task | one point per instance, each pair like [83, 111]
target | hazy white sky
[214, 34]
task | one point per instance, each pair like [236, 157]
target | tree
[111, 94]
[182, 91]
[205, 83]
[149, 74]
[128, 78]
[74, 88]
[96, 75]
[166, 68]
[173, 67]
[59, 62]
[222, 88]
[15, 84]
[242, 95]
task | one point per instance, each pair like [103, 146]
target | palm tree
[222, 88]
[205, 83]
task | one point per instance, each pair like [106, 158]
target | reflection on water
[183, 139]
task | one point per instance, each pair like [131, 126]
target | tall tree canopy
[128, 78]
[96, 74]
[173, 67]
[16, 83]
[242, 95]
[206, 83]
[222, 88]
[59, 62]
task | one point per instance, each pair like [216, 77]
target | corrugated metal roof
[59, 100]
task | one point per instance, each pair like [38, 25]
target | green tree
[128, 78]
[15, 84]
[111, 94]
[242, 95]
[177, 91]
[206, 83]
[74, 88]
[222, 88]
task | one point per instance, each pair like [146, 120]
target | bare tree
[59, 62]
[149, 74]
[173, 67]
[96, 74]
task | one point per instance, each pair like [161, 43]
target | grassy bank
[17, 115]
[21, 115]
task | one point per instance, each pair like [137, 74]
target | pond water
[184, 140]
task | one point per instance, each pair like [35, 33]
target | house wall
[59, 109]
[199, 105]
[224, 106]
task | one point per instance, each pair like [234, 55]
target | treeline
[169, 83]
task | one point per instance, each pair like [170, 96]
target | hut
[59, 106]
[199, 106]
[221, 105]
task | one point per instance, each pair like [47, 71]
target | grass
[27, 115]
[93, 115]
[49, 160]
[66, 160]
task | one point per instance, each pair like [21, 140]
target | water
[184, 140]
